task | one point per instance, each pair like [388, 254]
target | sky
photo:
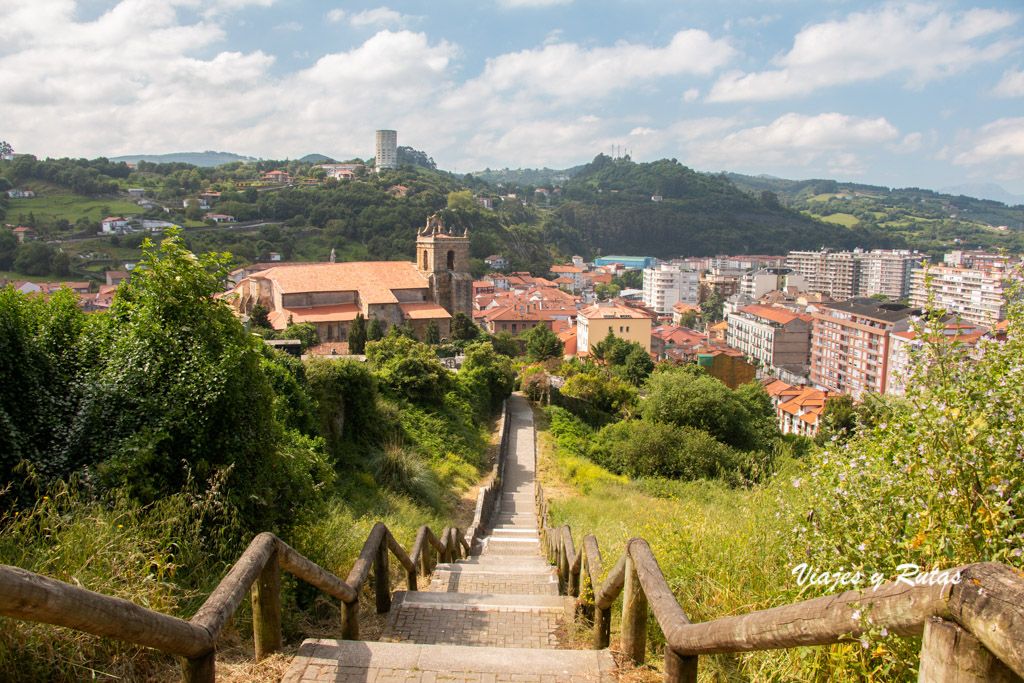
[926, 94]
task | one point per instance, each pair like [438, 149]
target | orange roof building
[772, 338]
[331, 295]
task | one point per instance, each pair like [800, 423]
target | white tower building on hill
[387, 149]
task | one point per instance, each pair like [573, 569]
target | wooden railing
[488, 501]
[32, 597]
[973, 631]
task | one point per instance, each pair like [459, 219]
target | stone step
[353, 661]
[514, 566]
[484, 602]
[513, 531]
[507, 583]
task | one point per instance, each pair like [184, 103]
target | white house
[113, 224]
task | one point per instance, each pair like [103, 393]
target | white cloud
[289, 26]
[567, 71]
[380, 16]
[1011, 84]
[795, 140]
[918, 41]
[1001, 141]
[911, 142]
[336, 15]
[515, 4]
[691, 95]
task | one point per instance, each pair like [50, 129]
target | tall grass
[719, 548]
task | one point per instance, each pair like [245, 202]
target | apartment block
[757, 283]
[836, 273]
[850, 345]
[975, 295]
[666, 285]
[774, 337]
[887, 272]
[594, 323]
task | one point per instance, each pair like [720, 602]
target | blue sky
[929, 94]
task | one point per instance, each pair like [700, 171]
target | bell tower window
[426, 260]
[451, 260]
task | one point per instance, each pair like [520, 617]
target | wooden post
[563, 567]
[950, 654]
[350, 620]
[602, 627]
[382, 579]
[199, 669]
[266, 609]
[634, 616]
[574, 580]
[425, 559]
[410, 580]
[679, 669]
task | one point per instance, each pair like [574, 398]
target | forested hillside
[661, 208]
[920, 218]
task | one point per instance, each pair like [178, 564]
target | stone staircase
[493, 617]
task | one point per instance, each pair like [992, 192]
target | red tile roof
[778, 315]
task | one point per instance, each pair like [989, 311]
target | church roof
[374, 280]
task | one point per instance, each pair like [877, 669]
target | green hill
[920, 218]
[665, 209]
[202, 159]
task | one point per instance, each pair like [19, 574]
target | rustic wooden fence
[29, 596]
[973, 631]
[32, 597]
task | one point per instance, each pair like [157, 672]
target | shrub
[403, 471]
[649, 449]
[704, 403]
[409, 369]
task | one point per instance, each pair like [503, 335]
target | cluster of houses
[89, 300]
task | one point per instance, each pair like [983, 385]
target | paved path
[495, 617]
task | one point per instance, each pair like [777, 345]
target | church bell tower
[443, 257]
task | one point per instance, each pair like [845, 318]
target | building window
[451, 260]
[426, 265]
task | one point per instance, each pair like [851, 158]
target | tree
[462, 201]
[704, 403]
[605, 292]
[8, 248]
[304, 332]
[713, 306]
[463, 328]
[409, 369]
[192, 210]
[507, 345]
[178, 393]
[260, 317]
[33, 258]
[542, 343]
[357, 335]
[60, 263]
[689, 319]
[375, 331]
[6, 151]
[433, 334]
[638, 365]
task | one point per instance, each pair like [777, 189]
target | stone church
[330, 295]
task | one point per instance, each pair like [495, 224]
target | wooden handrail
[32, 597]
[974, 629]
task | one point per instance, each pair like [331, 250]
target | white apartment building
[666, 284]
[387, 149]
[836, 273]
[884, 271]
[757, 283]
[976, 296]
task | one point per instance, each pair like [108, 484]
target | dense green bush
[649, 449]
[485, 378]
[734, 418]
[409, 369]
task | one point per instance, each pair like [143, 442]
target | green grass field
[53, 203]
[845, 219]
